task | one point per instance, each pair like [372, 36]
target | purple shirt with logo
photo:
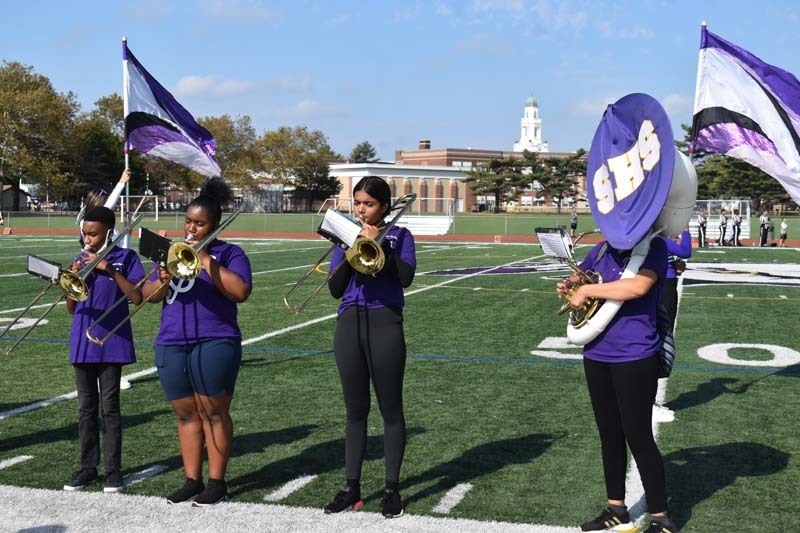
[103, 292]
[631, 334]
[194, 310]
[382, 290]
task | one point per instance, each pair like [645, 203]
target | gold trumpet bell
[183, 261]
[73, 286]
[366, 256]
[578, 317]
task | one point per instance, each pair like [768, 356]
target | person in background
[702, 220]
[763, 220]
[2, 220]
[573, 222]
[678, 251]
[737, 228]
[723, 225]
[784, 230]
[369, 346]
[98, 368]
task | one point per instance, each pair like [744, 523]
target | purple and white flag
[747, 109]
[156, 124]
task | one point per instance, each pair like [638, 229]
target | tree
[35, 121]
[298, 157]
[500, 178]
[562, 180]
[237, 150]
[364, 152]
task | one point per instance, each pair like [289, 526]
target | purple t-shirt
[681, 249]
[631, 334]
[103, 292]
[382, 290]
[194, 310]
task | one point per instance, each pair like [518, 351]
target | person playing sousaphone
[629, 173]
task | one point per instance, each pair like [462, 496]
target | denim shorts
[208, 368]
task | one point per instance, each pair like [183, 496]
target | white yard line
[289, 488]
[14, 460]
[96, 512]
[452, 498]
[147, 473]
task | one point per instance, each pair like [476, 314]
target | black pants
[622, 397]
[737, 231]
[669, 298]
[701, 236]
[722, 235]
[87, 378]
[369, 345]
[763, 236]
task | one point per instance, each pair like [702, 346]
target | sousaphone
[639, 186]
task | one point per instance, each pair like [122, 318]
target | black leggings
[622, 397]
[369, 345]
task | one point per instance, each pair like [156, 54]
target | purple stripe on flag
[146, 138]
[721, 138]
[783, 84]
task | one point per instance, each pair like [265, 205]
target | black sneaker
[391, 505]
[81, 478]
[215, 492]
[661, 527]
[190, 489]
[113, 482]
[345, 500]
[610, 521]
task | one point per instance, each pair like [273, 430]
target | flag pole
[700, 69]
[124, 205]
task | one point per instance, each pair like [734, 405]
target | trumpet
[72, 284]
[365, 256]
[181, 260]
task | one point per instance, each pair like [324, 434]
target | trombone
[72, 284]
[181, 260]
[365, 256]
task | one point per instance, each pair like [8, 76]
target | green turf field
[480, 407]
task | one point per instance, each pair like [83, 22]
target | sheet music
[555, 242]
[43, 268]
[339, 229]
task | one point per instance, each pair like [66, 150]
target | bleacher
[426, 224]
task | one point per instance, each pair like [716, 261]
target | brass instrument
[365, 256]
[72, 284]
[181, 260]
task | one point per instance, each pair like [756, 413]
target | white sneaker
[662, 413]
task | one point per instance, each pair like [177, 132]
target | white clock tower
[531, 129]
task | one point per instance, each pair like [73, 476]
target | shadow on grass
[70, 432]
[698, 473]
[476, 462]
[316, 459]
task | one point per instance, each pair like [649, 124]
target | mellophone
[639, 187]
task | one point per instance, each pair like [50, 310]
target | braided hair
[215, 193]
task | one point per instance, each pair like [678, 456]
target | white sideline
[288, 488]
[96, 512]
[452, 498]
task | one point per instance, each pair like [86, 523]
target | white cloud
[240, 11]
[211, 86]
[485, 44]
[594, 106]
[677, 105]
[290, 85]
[608, 29]
[301, 111]
[150, 9]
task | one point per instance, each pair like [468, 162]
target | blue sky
[457, 73]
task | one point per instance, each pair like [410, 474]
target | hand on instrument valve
[579, 297]
[368, 230]
[163, 275]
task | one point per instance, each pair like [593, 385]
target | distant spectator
[3, 221]
[770, 233]
[784, 229]
[762, 222]
[702, 220]
[723, 225]
[737, 228]
[573, 222]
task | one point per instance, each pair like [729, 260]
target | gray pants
[90, 401]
